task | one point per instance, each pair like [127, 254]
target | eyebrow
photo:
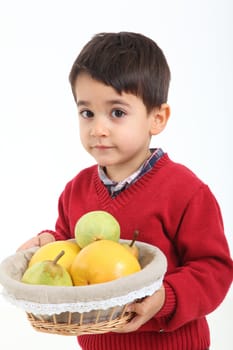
[118, 102]
[109, 102]
[83, 103]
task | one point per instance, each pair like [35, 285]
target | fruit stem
[58, 257]
[135, 236]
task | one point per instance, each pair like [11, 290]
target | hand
[38, 241]
[145, 310]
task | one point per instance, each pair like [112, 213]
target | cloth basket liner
[49, 300]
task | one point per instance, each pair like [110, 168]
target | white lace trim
[50, 309]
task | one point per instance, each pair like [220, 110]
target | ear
[159, 118]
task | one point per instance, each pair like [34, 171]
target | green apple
[96, 225]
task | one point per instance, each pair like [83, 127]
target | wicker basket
[91, 309]
[75, 324]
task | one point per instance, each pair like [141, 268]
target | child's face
[114, 128]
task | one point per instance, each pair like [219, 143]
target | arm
[204, 275]
[200, 282]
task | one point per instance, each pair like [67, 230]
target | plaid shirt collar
[115, 188]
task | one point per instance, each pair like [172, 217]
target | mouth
[101, 147]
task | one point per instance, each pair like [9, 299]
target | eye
[86, 114]
[117, 113]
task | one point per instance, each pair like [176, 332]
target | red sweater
[174, 210]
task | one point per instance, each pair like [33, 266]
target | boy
[120, 84]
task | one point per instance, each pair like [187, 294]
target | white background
[39, 142]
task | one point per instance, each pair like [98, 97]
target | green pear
[48, 272]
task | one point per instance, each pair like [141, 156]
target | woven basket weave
[74, 323]
[91, 309]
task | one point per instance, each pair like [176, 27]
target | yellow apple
[49, 252]
[102, 261]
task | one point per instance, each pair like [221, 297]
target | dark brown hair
[128, 62]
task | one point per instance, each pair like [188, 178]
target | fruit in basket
[50, 250]
[96, 225]
[102, 261]
[48, 272]
[132, 247]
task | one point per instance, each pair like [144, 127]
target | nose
[99, 127]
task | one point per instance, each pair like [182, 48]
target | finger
[45, 238]
[131, 326]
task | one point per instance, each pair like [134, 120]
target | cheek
[129, 142]
[134, 134]
[125, 137]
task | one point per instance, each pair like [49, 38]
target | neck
[119, 173]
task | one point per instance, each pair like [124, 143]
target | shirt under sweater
[177, 212]
[115, 188]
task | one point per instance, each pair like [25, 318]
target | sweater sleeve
[200, 282]
[62, 227]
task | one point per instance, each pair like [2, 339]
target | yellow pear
[132, 247]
